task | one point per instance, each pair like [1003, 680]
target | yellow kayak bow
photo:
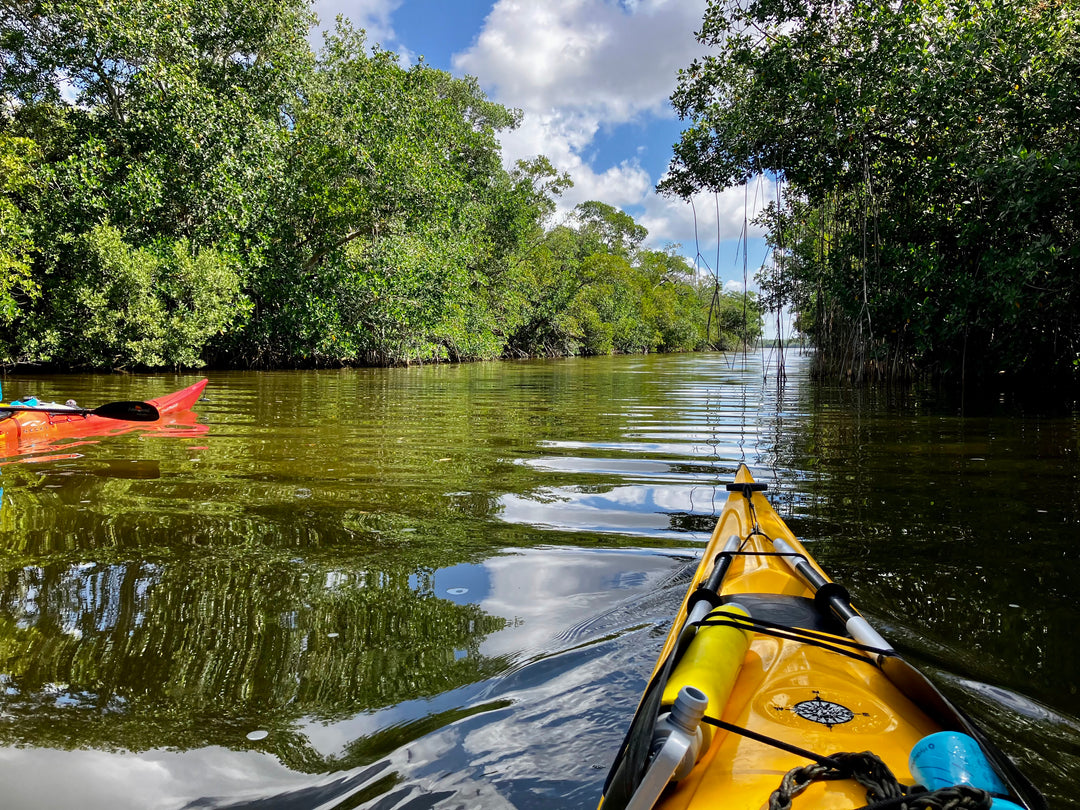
[772, 691]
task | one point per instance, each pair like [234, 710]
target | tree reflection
[137, 655]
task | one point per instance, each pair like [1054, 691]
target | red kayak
[23, 428]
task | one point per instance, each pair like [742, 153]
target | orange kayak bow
[24, 428]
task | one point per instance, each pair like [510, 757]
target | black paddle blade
[128, 411]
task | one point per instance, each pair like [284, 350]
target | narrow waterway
[445, 586]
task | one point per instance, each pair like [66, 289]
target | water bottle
[950, 758]
[712, 660]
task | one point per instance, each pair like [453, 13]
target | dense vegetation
[930, 166]
[185, 182]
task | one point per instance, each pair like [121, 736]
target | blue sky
[593, 78]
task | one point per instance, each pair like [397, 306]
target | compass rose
[825, 712]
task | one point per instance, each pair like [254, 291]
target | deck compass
[825, 712]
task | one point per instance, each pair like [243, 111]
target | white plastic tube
[679, 747]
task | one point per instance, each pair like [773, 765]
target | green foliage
[674, 302]
[593, 290]
[189, 182]
[124, 306]
[393, 216]
[16, 236]
[156, 124]
[175, 110]
[736, 320]
[606, 228]
[930, 165]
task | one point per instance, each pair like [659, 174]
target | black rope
[775, 743]
[755, 527]
[764, 625]
[959, 797]
[834, 644]
[883, 790]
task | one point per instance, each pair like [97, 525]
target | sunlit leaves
[394, 214]
[17, 284]
[592, 289]
[136, 306]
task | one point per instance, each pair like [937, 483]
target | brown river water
[445, 586]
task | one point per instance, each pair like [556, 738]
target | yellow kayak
[772, 691]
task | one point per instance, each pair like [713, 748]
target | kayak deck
[803, 680]
[805, 695]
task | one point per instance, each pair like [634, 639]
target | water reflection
[189, 655]
[531, 604]
[644, 511]
[446, 585]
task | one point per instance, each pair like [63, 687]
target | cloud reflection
[152, 779]
[642, 511]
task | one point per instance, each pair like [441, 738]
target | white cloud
[587, 55]
[576, 67]
[564, 137]
[709, 217]
[371, 15]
